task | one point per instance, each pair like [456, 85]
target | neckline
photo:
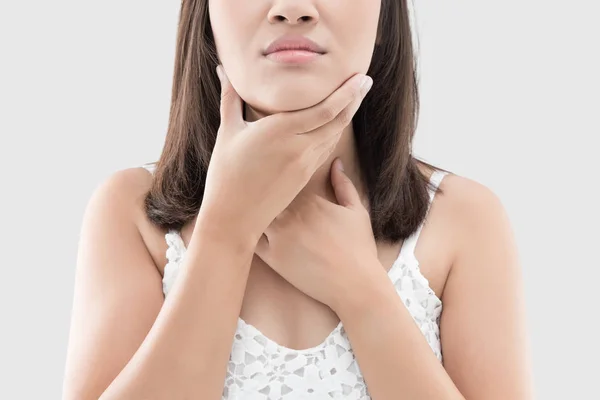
[405, 254]
[276, 347]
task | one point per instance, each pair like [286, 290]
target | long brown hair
[383, 127]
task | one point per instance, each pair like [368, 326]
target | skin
[466, 247]
[242, 30]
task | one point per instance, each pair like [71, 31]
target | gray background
[509, 92]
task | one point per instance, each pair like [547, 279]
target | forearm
[186, 351]
[392, 353]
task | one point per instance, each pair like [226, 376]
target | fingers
[342, 119]
[324, 139]
[307, 120]
[231, 103]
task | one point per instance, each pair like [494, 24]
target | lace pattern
[261, 369]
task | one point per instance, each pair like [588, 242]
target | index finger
[309, 119]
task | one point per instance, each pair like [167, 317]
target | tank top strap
[150, 167]
[410, 244]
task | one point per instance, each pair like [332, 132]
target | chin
[289, 98]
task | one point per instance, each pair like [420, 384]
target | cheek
[269, 89]
[356, 31]
[233, 25]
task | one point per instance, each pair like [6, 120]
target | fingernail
[366, 84]
[220, 73]
[340, 165]
[364, 80]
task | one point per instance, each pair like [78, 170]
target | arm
[482, 325]
[126, 340]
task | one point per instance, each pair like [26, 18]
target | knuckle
[355, 94]
[327, 113]
[344, 117]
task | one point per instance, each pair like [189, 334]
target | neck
[320, 182]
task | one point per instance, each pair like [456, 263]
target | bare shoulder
[465, 193]
[483, 323]
[482, 226]
[456, 222]
[463, 205]
[122, 194]
[117, 293]
[474, 204]
[124, 188]
[462, 192]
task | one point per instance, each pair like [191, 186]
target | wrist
[359, 298]
[220, 230]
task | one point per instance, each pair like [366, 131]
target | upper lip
[293, 42]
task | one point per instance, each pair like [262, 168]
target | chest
[288, 345]
[285, 314]
[301, 349]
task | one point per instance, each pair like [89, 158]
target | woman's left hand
[324, 249]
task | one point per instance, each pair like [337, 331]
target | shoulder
[122, 192]
[116, 279]
[473, 203]
[483, 321]
[463, 198]
[121, 198]
[483, 237]
[464, 216]
[461, 191]
[470, 213]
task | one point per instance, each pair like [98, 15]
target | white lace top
[261, 369]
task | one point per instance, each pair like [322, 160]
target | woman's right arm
[125, 343]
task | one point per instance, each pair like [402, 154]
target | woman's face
[345, 30]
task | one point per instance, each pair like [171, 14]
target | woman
[282, 275]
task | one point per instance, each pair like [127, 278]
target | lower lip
[293, 56]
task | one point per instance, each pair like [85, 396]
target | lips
[293, 42]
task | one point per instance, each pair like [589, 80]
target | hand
[325, 250]
[258, 168]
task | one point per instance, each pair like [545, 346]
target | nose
[293, 12]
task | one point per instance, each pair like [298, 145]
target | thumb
[231, 103]
[345, 191]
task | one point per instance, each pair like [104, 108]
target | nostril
[282, 18]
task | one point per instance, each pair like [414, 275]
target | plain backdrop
[509, 96]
